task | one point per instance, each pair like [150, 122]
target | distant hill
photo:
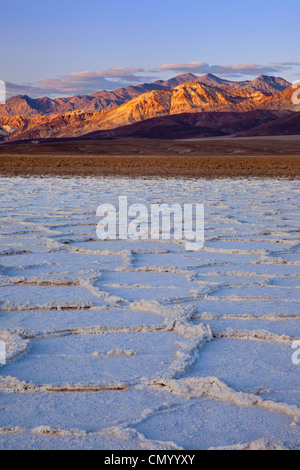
[285, 125]
[191, 125]
[25, 106]
[264, 83]
[178, 80]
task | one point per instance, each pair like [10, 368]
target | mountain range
[25, 106]
[163, 109]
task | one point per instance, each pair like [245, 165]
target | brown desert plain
[275, 157]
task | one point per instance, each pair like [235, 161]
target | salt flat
[126, 344]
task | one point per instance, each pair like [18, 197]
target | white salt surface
[141, 344]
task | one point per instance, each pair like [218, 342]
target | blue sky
[68, 47]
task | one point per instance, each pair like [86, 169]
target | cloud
[60, 87]
[119, 73]
[83, 83]
[232, 70]
[88, 82]
[286, 63]
[192, 66]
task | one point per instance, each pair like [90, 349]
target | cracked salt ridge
[60, 260]
[278, 293]
[118, 434]
[32, 441]
[255, 335]
[39, 289]
[255, 246]
[244, 221]
[150, 247]
[88, 284]
[261, 444]
[273, 270]
[144, 293]
[176, 361]
[212, 388]
[176, 320]
[51, 409]
[118, 439]
[104, 369]
[238, 280]
[277, 326]
[151, 278]
[40, 321]
[204, 423]
[212, 309]
[261, 366]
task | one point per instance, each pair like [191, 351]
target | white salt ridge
[12, 307]
[249, 298]
[98, 330]
[13, 385]
[85, 283]
[130, 434]
[177, 318]
[120, 433]
[246, 316]
[214, 388]
[255, 335]
[261, 444]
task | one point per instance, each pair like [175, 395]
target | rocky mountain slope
[190, 97]
[264, 83]
[192, 125]
[285, 125]
[106, 100]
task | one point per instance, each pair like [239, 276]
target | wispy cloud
[55, 87]
[91, 81]
[87, 82]
[238, 70]
[83, 83]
